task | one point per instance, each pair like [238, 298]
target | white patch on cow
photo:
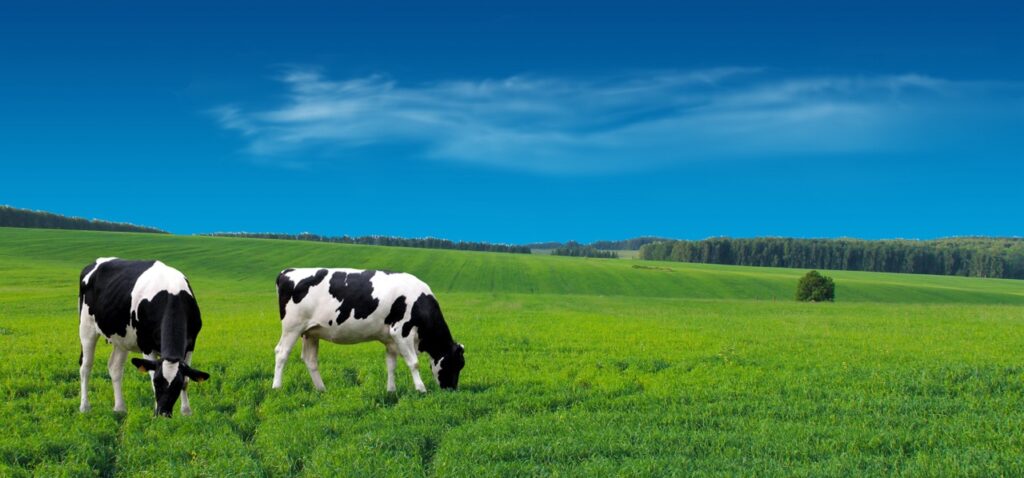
[85, 280]
[170, 370]
[435, 367]
[158, 278]
[87, 320]
[84, 313]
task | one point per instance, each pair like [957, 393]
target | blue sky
[519, 121]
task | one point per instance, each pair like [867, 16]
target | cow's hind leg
[89, 337]
[391, 357]
[310, 355]
[116, 369]
[284, 347]
[186, 409]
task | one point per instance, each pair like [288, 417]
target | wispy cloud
[560, 125]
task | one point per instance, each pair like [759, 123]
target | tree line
[967, 256]
[424, 243]
[623, 245]
[575, 249]
[15, 217]
[633, 244]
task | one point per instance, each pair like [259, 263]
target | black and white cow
[349, 306]
[140, 306]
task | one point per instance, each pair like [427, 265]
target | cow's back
[105, 292]
[348, 304]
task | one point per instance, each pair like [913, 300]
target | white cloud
[560, 125]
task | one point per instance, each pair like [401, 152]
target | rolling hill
[575, 367]
[251, 262]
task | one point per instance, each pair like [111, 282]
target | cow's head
[168, 379]
[447, 368]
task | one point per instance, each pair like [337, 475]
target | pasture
[575, 367]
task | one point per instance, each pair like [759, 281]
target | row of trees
[14, 217]
[969, 256]
[425, 243]
[633, 244]
[575, 249]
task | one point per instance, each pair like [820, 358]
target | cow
[140, 306]
[348, 306]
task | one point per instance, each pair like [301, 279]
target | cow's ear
[145, 365]
[197, 375]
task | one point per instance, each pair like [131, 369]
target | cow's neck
[436, 341]
[173, 331]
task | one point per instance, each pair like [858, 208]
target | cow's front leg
[152, 373]
[284, 347]
[412, 360]
[310, 355]
[89, 338]
[391, 357]
[186, 408]
[116, 369]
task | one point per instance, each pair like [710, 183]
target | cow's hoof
[186, 412]
[120, 410]
[85, 407]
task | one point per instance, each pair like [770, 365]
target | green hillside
[248, 262]
[575, 367]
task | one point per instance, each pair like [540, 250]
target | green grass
[575, 367]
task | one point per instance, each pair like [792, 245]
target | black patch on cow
[109, 293]
[81, 277]
[435, 338]
[355, 292]
[290, 291]
[168, 323]
[397, 311]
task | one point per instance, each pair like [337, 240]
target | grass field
[575, 367]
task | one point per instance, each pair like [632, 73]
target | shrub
[815, 287]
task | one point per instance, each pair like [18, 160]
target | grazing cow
[140, 306]
[349, 306]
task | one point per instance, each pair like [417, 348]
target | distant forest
[14, 217]
[425, 243]
[967, 256]
[576, 249]
[623, 245]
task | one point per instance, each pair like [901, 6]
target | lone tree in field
[815, 287]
